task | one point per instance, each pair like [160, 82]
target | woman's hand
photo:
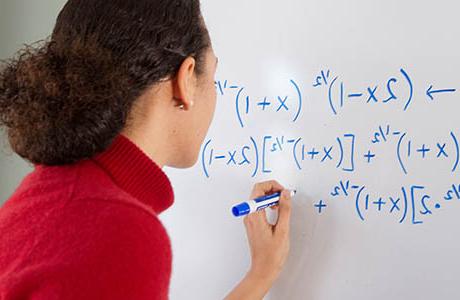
[269, 244]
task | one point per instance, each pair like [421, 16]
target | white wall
[21, 21]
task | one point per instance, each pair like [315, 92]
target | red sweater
[88, 230]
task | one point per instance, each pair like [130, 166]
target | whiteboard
[355, 104]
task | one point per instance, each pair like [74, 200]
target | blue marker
[254, 205]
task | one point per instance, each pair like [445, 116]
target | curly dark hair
[66, 98]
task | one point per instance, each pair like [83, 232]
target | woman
[121, 89]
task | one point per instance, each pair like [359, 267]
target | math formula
[345, 152]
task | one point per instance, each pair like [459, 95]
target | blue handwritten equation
[247, 105]
[346, 151]
[410, 204]
[339, 94]
[398, 91]
[341, 153]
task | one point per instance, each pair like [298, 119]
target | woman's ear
[184, 85]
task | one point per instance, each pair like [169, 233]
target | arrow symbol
[430, 92]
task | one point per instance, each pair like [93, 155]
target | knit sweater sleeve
[119, 251]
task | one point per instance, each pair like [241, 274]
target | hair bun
[62, 104]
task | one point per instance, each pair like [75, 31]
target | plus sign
[380, 203]
[369, 156]
[423, 150]
[264, 103]
[313, 153]
[320, 206]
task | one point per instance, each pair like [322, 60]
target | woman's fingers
[258, 217]
[265, 187]
[268, 187]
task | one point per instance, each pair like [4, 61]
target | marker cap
[241, 209]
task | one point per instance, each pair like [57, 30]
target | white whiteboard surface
[350, 250]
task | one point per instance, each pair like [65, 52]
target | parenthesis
[405, 205]
[330, 96]
[257, 157]
[341, 153]
[458, 152]
[399, 153]
[202, 159]
[238, 108]
[358, 210]
[411, 88]
[300, 100]
[294, 152]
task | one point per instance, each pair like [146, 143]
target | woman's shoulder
[82, 181]
[101, 242]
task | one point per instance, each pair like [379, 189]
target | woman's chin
[184, 163]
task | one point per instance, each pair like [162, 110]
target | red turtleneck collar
[134, 172]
